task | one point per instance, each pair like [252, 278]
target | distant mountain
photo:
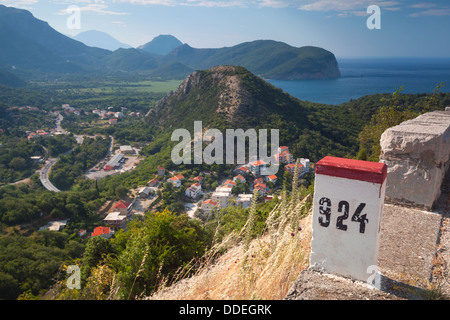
[173, 70]
[10, 80]
[130, 60]
[161, 45]
[94, 38]
[267, 58]
[31, 43]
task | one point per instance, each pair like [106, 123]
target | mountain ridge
[32, 44]
[99, 39]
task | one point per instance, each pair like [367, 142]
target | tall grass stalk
[264, 267]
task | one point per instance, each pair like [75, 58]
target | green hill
[229, 97]
[31, 43]
[10, 80]
[267, 58]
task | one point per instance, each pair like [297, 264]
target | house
[198, 179]
[161, 171]
[258, 180]
[291, 168]
[176, 180]
[82, 232]
[194, 191]
[257, 166]
[261, 187]
[144, 192]
[209, 205]
[244, 200]
[305, 163]
[284, 157]
[272, 178]
[116, 219]
[239, 178]
[54, 225]
[222, 196]
[229, 183]
[123, 207]
[118, 114]
[103, 232]
[153, 183]
[112, 121]
[242, 170]
[283, 149]
[126, 150]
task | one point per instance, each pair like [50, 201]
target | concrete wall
[417, 153]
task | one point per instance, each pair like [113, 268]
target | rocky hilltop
[230, 97]
[225, 95]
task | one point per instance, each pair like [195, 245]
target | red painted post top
[374, 172]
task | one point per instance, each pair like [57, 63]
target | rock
[417, 153]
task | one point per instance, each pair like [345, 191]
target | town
[199, 202]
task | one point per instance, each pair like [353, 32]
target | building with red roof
[104, 232]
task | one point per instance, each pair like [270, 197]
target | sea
[365, 76]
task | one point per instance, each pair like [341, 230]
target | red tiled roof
[258, 163]
[100, 230]
[122, 205]
[209, 201]
[272, 177]
[230, 182]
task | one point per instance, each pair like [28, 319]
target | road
[43, 175]
[44, 172]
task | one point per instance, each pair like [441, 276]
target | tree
[18, 163]
[386, 117]
[156, 246]
[96, 251]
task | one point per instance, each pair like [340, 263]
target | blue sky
[408, 28]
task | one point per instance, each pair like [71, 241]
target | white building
[257, 166]
[144, 192]
[194, 191]
[176, 180]
[305, 163]
[209, 205]
[54, 225]
[126, 150]
[222, 196]
[116, 219]
[244, 200]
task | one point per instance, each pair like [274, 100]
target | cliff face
[417, 153]
[225, 95]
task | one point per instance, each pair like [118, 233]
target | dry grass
[264, 268]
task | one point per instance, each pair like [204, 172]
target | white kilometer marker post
[347, 213]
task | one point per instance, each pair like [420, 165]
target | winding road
[45, 171]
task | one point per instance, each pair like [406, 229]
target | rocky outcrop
[417, 153]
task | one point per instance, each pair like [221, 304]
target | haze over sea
[364, 76]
